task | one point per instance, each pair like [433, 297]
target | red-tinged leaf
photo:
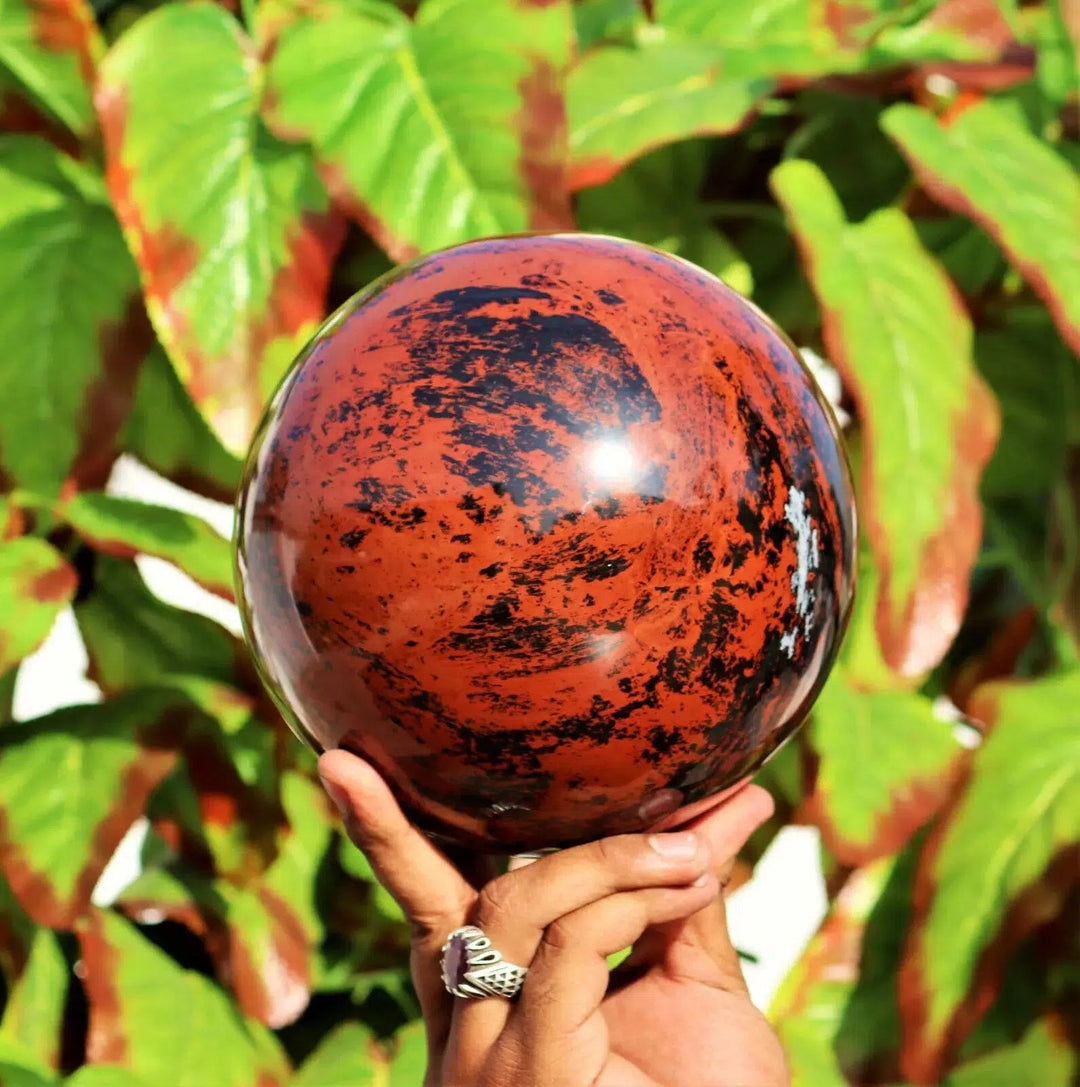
[52, 47]
[269, 956]
[35, 1004]
[174, 894]
[71, 785]
[895, 328]
[231, 229]
[16, 934]
[987, 164]
[168, 434]
[809, 1007]
[19, 114]
[623, 101]
[12, 520]
[125, 527]
[165, 1024]
[257, 942]
[68, 390]
[36, 584]
[967, 40]
[210, 816]
[885, 763]
[1000, 862]
[271, 924]
[431, 131]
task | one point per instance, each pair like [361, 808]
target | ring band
[473, 969]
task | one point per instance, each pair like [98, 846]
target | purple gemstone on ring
[455, 961]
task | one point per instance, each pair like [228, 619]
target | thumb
[699, 948]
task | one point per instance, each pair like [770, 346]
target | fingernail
[701, 880]
[675, 846]
[336, 793]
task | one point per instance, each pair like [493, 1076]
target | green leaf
[778, 37]
[52, 48]
[165, 1024]
[652, 201]
[987, 873]
[125, 527]
[988, 165]
[356, 864]
[248, 743]
[434, 131]
[886, 763]
[133, 638]
[1044, 1056]
[167, 433]
[597, 21]
[842, 136]
[35, 1007]
[73, 783]
[869, 1032]
[409, 1061]
[903, 344]
[1030, 371]
[231, 229]
[350, 1055]
[1058, 50]
[104, 1075]
[72, 309]
[36, 584]
[625, 100]
[20, 1068]
[965, 251]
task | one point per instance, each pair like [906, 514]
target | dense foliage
[185, 190]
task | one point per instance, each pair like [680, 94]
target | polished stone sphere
[555, 531]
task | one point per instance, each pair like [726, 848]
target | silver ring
[473, 969]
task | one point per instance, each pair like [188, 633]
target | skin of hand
[676, 1013]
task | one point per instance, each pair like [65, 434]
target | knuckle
[428, 929]
[611, 853]
[494, 901]
[561, 935]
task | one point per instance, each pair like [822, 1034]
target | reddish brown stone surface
[555, 531]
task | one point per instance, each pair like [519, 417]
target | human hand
[675, 1014]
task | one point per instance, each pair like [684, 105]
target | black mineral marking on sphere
[703, 555]
[354, 537]
[466, 299]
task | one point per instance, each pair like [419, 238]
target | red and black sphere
[557, 532]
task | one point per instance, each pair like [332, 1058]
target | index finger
[431, 892]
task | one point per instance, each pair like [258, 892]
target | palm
[665, 1029]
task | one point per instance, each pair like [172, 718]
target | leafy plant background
[186, 189]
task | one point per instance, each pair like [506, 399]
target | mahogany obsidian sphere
[557, 532]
